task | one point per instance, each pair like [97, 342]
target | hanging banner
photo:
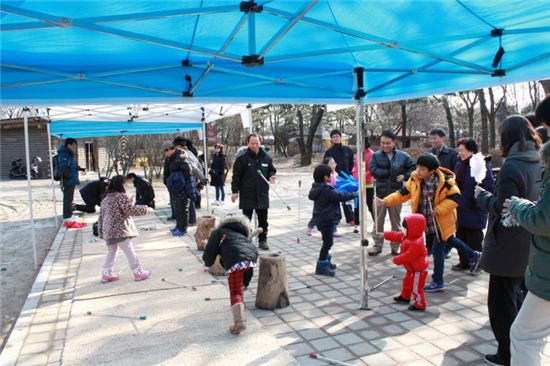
[245, 117]
[212, 133]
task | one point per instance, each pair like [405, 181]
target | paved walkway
[181, 328]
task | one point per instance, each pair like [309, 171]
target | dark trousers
[89, 207]
[348, 212]
[146, 202]
[503, 301]
[220, 193]
[262, 220]
[68, 197]
[370, 200]
[192, 218]
[172, 205]
[472, 237]
[182, 213]
[327, 233]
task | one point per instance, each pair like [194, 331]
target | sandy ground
[16, 254]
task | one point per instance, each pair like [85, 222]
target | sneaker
[323, 269]
[375, 250]
[222, 203]
[309, 231]
[216, 203]
[352, 222]
[108, 277]
[460, 267]
[172, 229]
[448, 255]
[401, 300]
[414, 308]
[178, 232]
[141, 274]
[263, 245]
[493, 360]
[475, 265]
[336, 234]
[435, 287]
[356, 229]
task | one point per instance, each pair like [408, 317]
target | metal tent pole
[251, 130]
[29, 186]
[51, 175]
[205, 154]
[361, 178]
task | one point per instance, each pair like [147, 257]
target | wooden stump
[216, 269]
[272, 282]
[205, 226]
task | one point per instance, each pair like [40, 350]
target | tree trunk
[492, 116]
[484, 122]
[205, 226]
[545, 85]
[301, 143]
[450, 123]
[272, 282]
[404, 123]
[471, 122]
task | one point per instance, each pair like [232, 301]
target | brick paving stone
[408, 339]
[32, 359]
[324, 344]
[310, 334]
[386, 344]
[467, 356]
[291, 317]
[393, 329]
[363, 349]
[402, 355]
[426, 349]
[378, 359]
[35, 347]
[348, 338]
[339, 354]
[485, 348]
[370, 334]
[398, 317]
[303, 325]
[38, 337]
[299, 349]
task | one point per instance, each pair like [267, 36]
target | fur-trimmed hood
[239, 223]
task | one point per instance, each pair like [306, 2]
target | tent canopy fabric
[79, 129]
[61, 52]
[116, 120]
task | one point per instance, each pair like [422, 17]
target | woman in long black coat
[506, 249]
[217, 173]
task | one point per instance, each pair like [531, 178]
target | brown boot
[239, 318]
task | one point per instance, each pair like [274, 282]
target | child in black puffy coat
[232, 240]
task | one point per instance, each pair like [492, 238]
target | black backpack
[57, 173]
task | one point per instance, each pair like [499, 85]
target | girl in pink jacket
[369, 182]
[116, 226]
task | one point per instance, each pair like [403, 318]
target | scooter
[18, 170]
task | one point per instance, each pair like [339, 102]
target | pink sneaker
[309, 231]
[141, 274]
[108, 277]
[336, 234]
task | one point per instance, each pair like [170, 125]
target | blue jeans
[438, 252]
[220, 193]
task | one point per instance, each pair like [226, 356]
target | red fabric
[369, 179]
[75, 225]
[235, 281]
[413, 285]
[413, 252]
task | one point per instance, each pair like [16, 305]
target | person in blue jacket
[66, 160]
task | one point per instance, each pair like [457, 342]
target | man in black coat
[177, 161]
[447, 157]
[343, 156]
[390, 167]
[92, 194]
[145, 194]
[249, 188]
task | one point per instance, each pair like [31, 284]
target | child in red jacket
[413, 255]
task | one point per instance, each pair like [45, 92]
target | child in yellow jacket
[434, 194]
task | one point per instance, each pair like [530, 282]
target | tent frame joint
[250, 7]
[498, 73]
[186, 63]
[252, 60]
[497, 32]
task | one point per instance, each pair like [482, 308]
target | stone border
[20, 330]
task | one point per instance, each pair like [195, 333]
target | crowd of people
[450, 206]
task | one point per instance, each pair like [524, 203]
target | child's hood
[416, 223]
[240, 224]
[316, 190]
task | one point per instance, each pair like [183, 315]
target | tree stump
[205, 226]
[216, 269]
[272, 282]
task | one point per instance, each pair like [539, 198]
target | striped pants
[413, 285]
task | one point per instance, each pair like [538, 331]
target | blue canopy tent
[200, 51]
[78, 129]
